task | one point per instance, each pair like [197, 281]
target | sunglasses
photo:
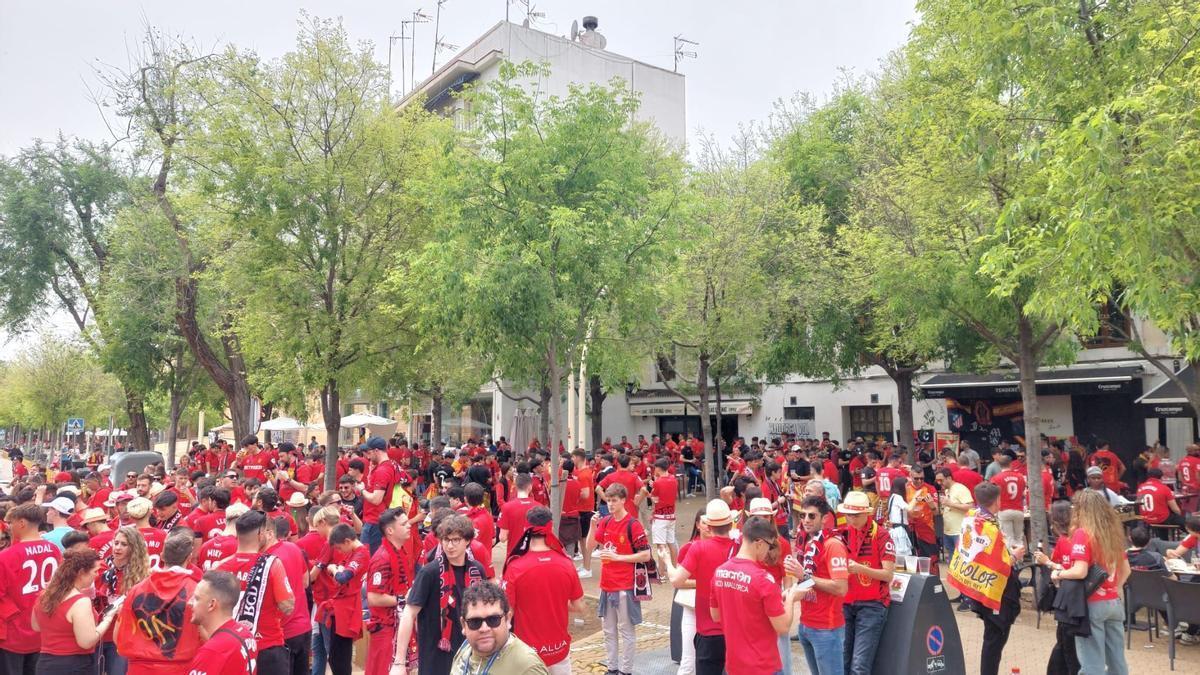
[476, 622]
[810, 516]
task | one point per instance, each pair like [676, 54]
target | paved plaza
[1028, 646]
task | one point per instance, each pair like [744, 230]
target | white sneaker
[585, 574]
[577, 556]
[1188, 639]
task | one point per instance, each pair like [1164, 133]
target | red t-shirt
[539, 585]
[270, 619]
[1012, 490]
[380, 579]
[1190, 541]
[587, 481]
[571, 490]
[1047, 487]
[1081, 549]
[58, 635]
[1153, 496]
[701, 560]
[1062, 551]
[871, 547]
[618, 576]
[209, 523]
[25, 570]
[883, 481]
[485, 528]
[226, 652]
[512, 519]
[295, 566]
[747, 597]
[155, 539]
[215, 550]
[967, 477]
[1189, 472]
[97, 500]
[824, 611]
[629, 480]
[311, 543]
[384, 477]
[666, 491]
[255, 466]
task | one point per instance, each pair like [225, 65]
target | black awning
[1167, 399]
[1113, 380]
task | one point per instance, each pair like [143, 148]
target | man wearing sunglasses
[490, 647]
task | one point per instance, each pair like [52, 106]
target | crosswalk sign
[74, 425]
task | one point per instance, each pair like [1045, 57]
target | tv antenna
[437, 37]
[392, 40]
[680, 52]
[418, 16]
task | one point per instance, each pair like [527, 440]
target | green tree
[555, 210]
[734, 273]
[313, 169]
[1121, 220]
[58, 203]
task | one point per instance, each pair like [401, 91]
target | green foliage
[54, 379]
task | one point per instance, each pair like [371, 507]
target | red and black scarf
[449, 591]
[522, 545]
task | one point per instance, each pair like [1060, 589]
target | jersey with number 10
[25, 570]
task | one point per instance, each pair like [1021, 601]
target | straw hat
[856, 502]
[296, 501]
[716, 514]
[92, 516]
[138, 508]
[761, 506]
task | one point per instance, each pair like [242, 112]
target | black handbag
[1096, 576]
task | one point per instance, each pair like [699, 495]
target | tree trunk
[904, 403]
[268, 410]
[435, 415]
[719, 439]
[135, 409]
[1027, 365]
[710, 474]
[596, 398]
[544, 414]
[331, 412]
[556, 419]
[174, 413]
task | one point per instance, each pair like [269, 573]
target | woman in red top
[65, 617]
[1062, 657]
[1099, 539]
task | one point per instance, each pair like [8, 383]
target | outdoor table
[1189, 502]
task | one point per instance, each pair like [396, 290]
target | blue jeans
[320, 655]
[372, 536]
[950, 543]
[785, 652]
[823, 649]
[864, 627]
[693, 474]
[1104, 650]
[114, 663]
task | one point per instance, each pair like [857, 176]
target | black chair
[1144, 590]
[1183, 604]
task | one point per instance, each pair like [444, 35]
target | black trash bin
[921, 633]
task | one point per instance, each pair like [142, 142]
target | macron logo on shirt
[739, 581]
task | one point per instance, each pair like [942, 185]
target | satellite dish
[574, 30]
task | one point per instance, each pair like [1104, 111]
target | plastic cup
[910, 563]
[922, 565]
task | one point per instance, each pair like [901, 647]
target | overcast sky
[750, 54]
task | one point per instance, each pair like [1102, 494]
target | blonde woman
[1098, 539]
[126, 565]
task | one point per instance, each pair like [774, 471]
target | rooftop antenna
[680, 53]
[393, 39]
[437, 37]
[419, 16]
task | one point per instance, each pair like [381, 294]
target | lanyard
[487, 667]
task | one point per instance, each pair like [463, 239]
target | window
[799, 413]
[382, 410]
[871, 421]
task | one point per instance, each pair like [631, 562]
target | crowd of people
[238, 561]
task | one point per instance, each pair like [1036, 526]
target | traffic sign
[74, 425]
